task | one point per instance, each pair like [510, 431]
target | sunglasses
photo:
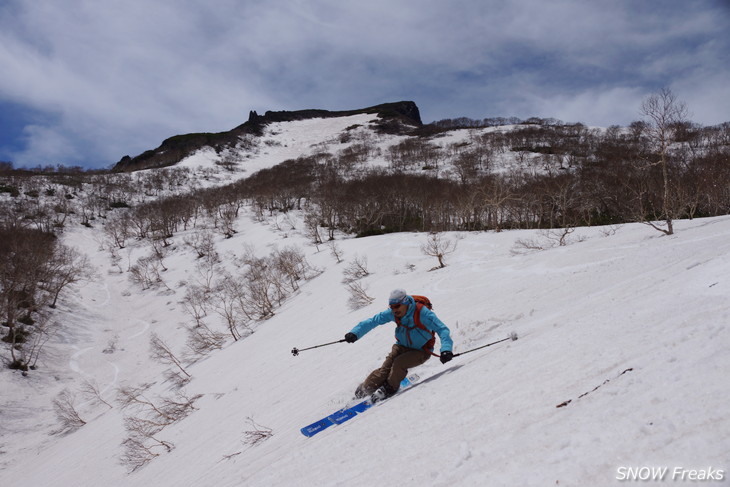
[396, 306]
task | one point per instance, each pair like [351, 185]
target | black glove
[350, 338]
[446, 356]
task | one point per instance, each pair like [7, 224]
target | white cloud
[706, 94]
[595, 107]
[45, 145]
[120, 76]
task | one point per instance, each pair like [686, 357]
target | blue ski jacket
[409, 335]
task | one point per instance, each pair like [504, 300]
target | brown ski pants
[394, 368]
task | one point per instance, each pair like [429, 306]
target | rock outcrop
[398, 117]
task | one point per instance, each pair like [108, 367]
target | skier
[415, 334]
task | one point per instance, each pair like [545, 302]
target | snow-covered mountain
[397, 117]
[620, 366]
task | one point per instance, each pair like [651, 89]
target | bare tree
[206, 271]
[161, 352]
[355, 270]
[438, 246]
[262, 289]
[311, 223]
[147, 272]
[141, 448]
[148, 418]
[202, 340]
[66, 412]
[196, 302]
[160, 251]
[118, 230]
[524, 246]
[228, 214]
[257, 434]
[358, 296]
[67, 267]
[665, 114]
[561, 235]
[229, 293]
[497, 194]
[466, 166]
[36, 337]
[291, 263]
[25, 257]
[336, 251]
[91, 390]
[203, 242]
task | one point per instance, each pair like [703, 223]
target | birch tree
[664, 115]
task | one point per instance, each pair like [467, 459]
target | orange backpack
[423, 300]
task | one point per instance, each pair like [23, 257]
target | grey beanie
[397, 296]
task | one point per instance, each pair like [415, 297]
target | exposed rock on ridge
[395, 117]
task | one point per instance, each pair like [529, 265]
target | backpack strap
[418, 324]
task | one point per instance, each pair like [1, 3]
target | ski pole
[512, 336]
[295, 351]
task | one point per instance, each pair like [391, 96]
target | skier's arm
[366, 325]
[432, 322]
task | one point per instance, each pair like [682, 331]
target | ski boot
[360, 392]
[382, 392]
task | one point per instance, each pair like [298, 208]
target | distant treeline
[557, 176]
[566, 176]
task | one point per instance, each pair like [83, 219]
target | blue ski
[345, 414]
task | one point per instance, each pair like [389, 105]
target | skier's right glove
[350, 338]
[446, 356]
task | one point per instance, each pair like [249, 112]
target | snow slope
[290, 140]
[625, 329]
[635, 319]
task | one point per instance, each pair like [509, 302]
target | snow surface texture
[635, 319]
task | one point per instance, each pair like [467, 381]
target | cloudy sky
[85, 82]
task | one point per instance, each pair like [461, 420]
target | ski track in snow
[113, 383]
[92, 303]
[93, 369]
[73, 362]
[145, 328]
